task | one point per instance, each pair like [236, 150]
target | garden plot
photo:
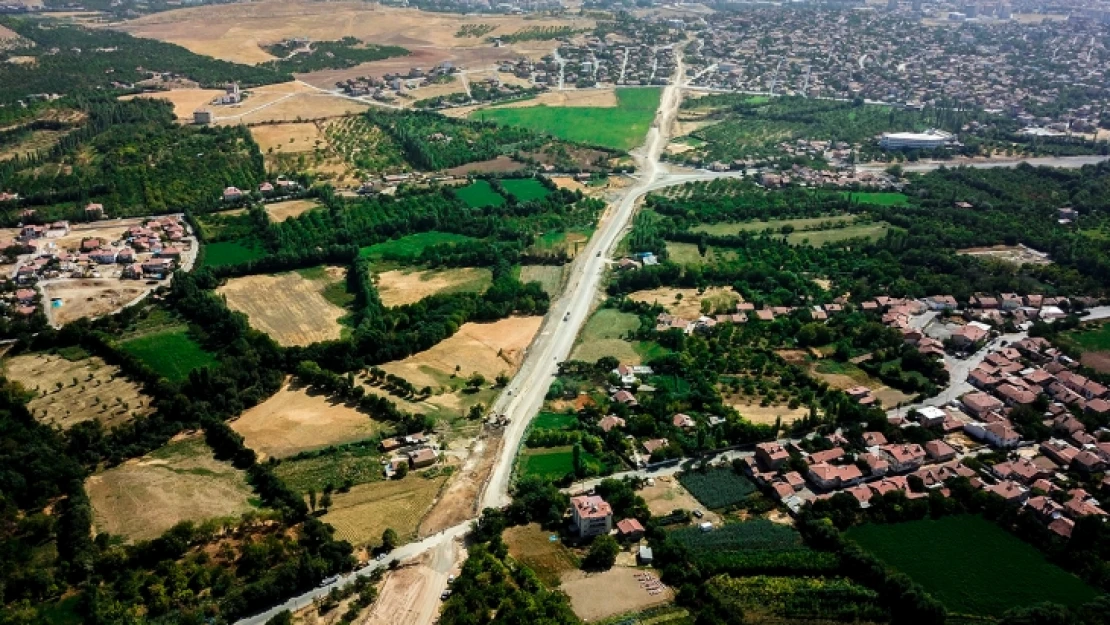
[144, 497]
[532, 546]
[69, 390]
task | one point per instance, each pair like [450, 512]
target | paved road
[439, 542]
[569, 312]
[1065, 162]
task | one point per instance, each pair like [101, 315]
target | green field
[688, 254]
[817, 238]
[352, 465]
[1091, 338]
[622, 127]
[879, 198]
[717, 488]
[479, 194]
[603, 336]
[224, 253]
[412, 245]
[554, 421]
[971, 565]
[170, 352]
[525, 189]
[551, 464]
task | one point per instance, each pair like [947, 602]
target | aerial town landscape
[555, 311]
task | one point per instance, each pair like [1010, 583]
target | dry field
[293, 101]
[566, 182]
[89, 298]
[499, 165]
[182, 481]
[687, 303]
[361, 515]
[235, 32]
[749, 408]
[400, 287]
[668, 495]
[531, 545]
[39, 140]
[436, 90]
[292, 421]
[288, 306]
[486, 348]
[890, 397]
[184, 101]
[595, 596]
[7, 33]
[90, 389]
[410, 594]
[288, 138]
[594, 98]
[280, 211]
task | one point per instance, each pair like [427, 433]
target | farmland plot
[717, 488]
[361, 515]
[288, 307]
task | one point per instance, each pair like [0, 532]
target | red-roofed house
[630, 529]
[771, 455]
[590, 516]
[904, 457]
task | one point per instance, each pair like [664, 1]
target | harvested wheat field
[568, 183]
[361, 515]
[287, 138]
[280, 211]
[68, 391]
[767, 415]
[594, 596]
[486, 348]
[234, 32]
[406, 286]
[292, 421]
[144, 497]
[297, 107]
[290, 308]
[184, 101]
[82, 299]
[687, 303]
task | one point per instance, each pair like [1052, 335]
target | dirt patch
[594, 98]
[143, 498]
[280, 211]
[7, 33]
[459, 500]
[361, 515]
[82, 299]
[486, 348]
[400, 287]
[292, 421]
[687, 303]
[69, 392]
[595, 596]
[499, 165]
[794, 356]
[184, 101]
[750, 409]
[1017, 255]
[566, 182]
[290, 308]
[533, 546]
[410, 594]
[669, 495]
[1099, 361]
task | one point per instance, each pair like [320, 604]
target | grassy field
[688, 254]
[550, 463]
[569, 241]
[550, 277]
[604, 334]
[225, 253]
[479, 194]
[1093, 341]
[532, 546]
[181, 481]
[412, 245]
[818, 238]
[971, 565]
[361, 515]
[622, 127]
[170, 352]
[728, 228]
[878, 198]
[525, 189]
[554, 421]
[353, 465]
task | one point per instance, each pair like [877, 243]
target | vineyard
[539, 33]
[717, 488]
[474, 30]
[758, 546]
[800, 597]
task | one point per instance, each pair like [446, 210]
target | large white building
[927, 140]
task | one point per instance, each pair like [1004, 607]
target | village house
[608, 422]
[904, 457]
[630, 529]
[771, 455]
[827, 476]
[590, 516]
[421, 458]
